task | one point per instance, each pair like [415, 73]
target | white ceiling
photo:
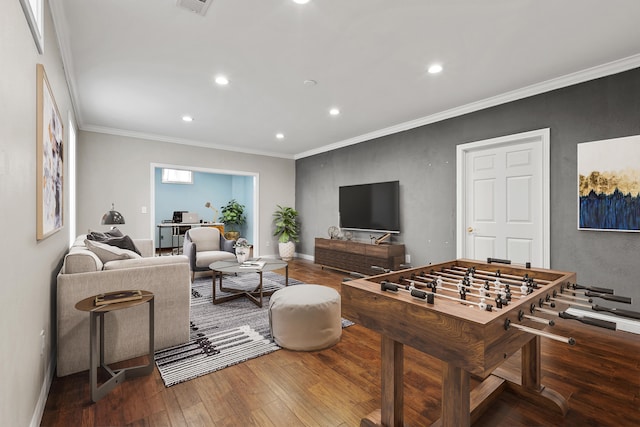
[135, 67]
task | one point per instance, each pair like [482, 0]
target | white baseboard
[622, 323]
[36, 419]
[305, 256]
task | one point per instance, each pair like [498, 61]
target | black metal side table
[96, 358]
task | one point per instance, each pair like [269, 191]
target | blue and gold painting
[609, 185]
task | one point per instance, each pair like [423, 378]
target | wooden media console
[349, 256]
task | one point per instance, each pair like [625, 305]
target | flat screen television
[370, 207]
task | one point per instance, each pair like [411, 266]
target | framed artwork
[34, 12]
[49, 164]
[609, 185]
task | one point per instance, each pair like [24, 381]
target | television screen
[370, 207]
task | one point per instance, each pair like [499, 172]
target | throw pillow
[99, 236]
[123, 242]
[108, 253]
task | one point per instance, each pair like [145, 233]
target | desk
[178, 229]
[96, 358]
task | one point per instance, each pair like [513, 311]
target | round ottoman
[305, 317]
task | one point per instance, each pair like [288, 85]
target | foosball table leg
[529, 385]
[392, 392]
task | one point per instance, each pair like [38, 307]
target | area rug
[225, 334]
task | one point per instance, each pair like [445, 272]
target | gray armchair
[204, 245]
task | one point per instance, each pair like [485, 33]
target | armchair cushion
[204, 245]
[205, 238]
[205, 258]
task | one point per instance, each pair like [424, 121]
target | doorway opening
[210, 190]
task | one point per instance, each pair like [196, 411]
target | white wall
[28, 267]
[118, 169]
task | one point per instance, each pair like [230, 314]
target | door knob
[470, 229]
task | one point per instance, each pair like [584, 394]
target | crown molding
[62, 36]
[592, 73]
[181, 141]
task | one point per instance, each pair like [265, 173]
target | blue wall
[207, 187]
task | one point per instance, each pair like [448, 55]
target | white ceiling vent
[197, 6]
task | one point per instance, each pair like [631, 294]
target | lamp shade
[112, 217]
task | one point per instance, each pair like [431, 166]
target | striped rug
[222, 335]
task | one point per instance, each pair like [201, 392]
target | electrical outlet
[43, 342]
[268, 244]
[407, 259]
[143, 210]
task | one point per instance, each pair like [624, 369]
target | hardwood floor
[600, 377]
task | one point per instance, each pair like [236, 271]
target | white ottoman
[305, 317]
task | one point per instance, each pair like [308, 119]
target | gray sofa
[85, 274]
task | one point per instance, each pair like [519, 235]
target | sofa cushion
[204, 258]
[145, 262]
[108, 253]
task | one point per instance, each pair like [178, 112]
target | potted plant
[287, 229]
[243, 249]
[232, 215]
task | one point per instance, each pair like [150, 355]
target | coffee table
[255, 295]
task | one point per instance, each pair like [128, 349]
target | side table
[96, 358]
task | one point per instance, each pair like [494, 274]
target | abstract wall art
[609, 185]
[49, 159]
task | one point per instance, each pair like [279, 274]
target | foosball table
[472, 316]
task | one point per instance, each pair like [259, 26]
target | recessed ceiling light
[222, 80]
[435, 69]
[334, 111]
[301, 1]
[280, 135]
[187, 118]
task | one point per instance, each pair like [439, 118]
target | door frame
[541, 136]
[256, 196]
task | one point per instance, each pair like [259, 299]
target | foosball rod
[591, 288]
[455, 290]
[491, 289]
[506, 276]
[430, 296]
[534, 331]
[420, 280]
[517, 285]
[511, 279]
[567, 299]
[604, 296]
[543, 320]
[586, 320]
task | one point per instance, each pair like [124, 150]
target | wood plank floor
[600, 377]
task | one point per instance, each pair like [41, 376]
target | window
[176, 176]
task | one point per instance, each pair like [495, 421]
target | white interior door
[503, 199]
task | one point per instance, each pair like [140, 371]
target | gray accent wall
[424, 161]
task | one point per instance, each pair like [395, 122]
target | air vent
[197, 6]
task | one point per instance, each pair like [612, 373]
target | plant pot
[287, 250]
[242, 255]
[232, 235]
